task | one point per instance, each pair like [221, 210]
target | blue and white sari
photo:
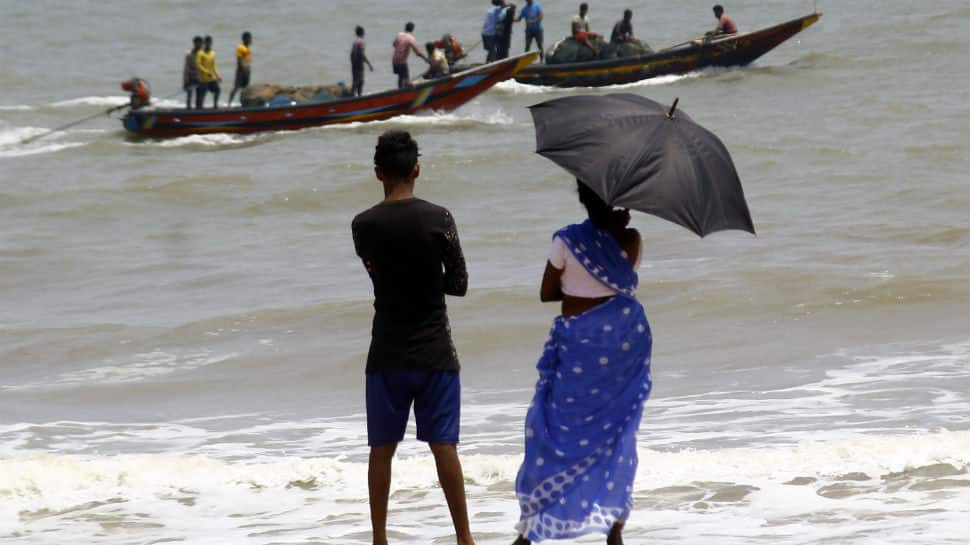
[580, 430]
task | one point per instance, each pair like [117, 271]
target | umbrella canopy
[635, 153]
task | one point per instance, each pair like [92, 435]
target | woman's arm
[551, 289]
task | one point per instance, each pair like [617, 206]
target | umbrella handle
[670, 114]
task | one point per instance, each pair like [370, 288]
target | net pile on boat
[570, 50]
[266, 94]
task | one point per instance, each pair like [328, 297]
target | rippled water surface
[183, 323]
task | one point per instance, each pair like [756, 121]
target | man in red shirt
[725, 24]
[404, 43]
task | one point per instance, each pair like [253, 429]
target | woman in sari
[594, 376]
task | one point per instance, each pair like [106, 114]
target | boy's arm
[456, 275]
[358, 247]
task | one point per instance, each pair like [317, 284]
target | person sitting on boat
[623, 29]
[725, 24]
[404, 43]
[437, 62]
[209, 77]
[357, 61]
[244, 60]
[140, 94]
[580, 28]
[451, 48]
[190, 72]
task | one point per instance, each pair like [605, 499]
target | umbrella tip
[673, 107]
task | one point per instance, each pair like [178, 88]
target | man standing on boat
[209, 77]
[404, 44]
[244, 59]
[358, 58]
[532, 13]
[503, 37]
[190, 72]
[725, 24]
[411, 252]
[490, 29]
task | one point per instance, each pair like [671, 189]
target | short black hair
[197, 40]
[208, 38]
[627, 13]
[359, 30]
[718, 9]
[409, 27]
[246, 35]
[396, 153]
[584, 5]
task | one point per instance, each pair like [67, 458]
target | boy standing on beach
[411, 251]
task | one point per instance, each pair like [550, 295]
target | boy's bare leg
[453, 483]
[379, 487]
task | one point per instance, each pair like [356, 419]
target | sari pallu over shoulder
[594, 375]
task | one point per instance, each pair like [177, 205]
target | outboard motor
[141, 93]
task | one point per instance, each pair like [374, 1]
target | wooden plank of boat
[442, 94]
[733, 50]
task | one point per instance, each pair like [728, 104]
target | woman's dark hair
[396, 154]
[600, 213]
[359, 30]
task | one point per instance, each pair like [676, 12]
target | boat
[730, 50]
[442, 94]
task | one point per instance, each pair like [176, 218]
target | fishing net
[569, 50]
[265, 94]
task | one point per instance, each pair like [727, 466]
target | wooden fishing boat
[733, 50]
[441, 94]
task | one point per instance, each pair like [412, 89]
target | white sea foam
[862, 477]
[465, 115]
[515, 88]
[22, 141]
[16, 108]
[138, 368]
[92, 101]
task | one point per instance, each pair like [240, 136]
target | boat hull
[735, 50]
[442, 94]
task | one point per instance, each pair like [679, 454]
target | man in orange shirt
[244, 59]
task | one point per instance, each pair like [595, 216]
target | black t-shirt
[412, 253]
[621, 29]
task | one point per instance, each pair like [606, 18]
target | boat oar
[84, 119]
[71, 124]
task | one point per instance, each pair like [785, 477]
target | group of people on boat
[200, 75]
[439, 54]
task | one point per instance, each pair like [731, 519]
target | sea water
[183, 322]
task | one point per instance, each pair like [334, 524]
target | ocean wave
[464, 117]
[874, 474]
[92, 101]
[141, 367]
[513, 87]
[23, 141]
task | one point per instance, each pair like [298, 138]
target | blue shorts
[437, 406]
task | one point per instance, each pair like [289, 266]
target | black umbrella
[635, 153]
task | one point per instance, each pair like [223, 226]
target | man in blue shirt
[532, 13]
[490, 29]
